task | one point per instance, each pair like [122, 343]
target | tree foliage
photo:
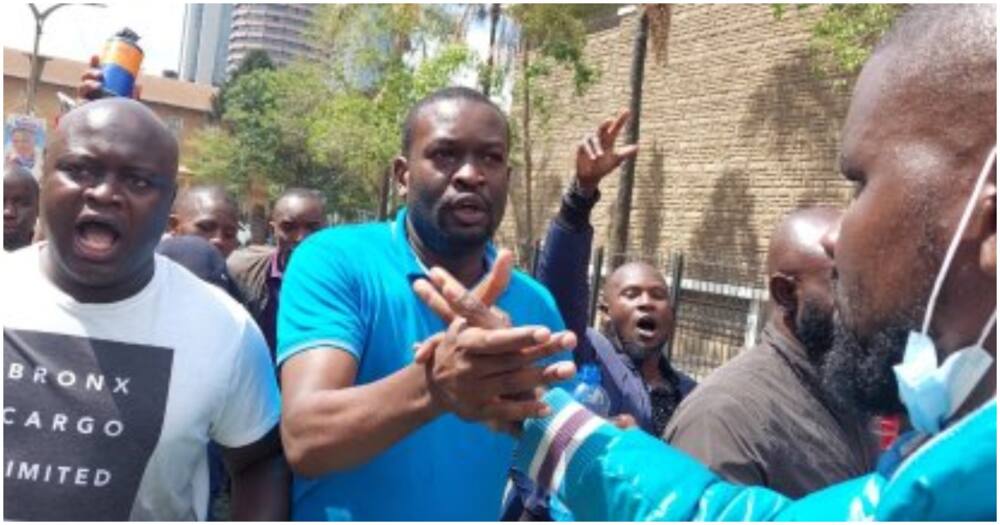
[549, 36]
[360, 131]
[556, 34]
[334, 124]
[255, 59]
[844, 36]
[265, 139]
[388, 57]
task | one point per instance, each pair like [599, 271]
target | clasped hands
[482, 368]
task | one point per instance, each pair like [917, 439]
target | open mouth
[469, 210]
[96, 239]
[646, 327]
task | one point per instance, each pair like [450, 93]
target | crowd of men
[422, 378]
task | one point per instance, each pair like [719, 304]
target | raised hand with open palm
[596, 155]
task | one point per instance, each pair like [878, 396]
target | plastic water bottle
[120, 62]
[590, 393]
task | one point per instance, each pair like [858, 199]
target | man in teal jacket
[919, 145]
[915, 276]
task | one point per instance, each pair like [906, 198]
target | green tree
[367, 42]
[487, 74]
[845, 34]
[550, 35]
[334, 124]
[255, 59]
[501, 38]
[386, 57]
[263, 144]
[360, 130]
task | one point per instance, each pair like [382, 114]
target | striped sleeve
[549, 445]
[600, 473]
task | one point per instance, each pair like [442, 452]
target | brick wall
[736, 131]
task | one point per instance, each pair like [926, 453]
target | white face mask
[933, 393]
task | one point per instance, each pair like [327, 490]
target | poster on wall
[23, 143]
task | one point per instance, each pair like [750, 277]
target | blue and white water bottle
[590, 393]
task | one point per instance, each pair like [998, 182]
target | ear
[982, 228]
[783, 288]
[401, 174]
[173, 223]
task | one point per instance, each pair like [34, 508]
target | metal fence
[718, 313]
[719, 304]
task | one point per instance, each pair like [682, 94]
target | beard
[814, 329]
[635, 351]
[638, 353]
[857, 373]
[13, 241]
[426, 219]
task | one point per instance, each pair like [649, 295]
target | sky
[77, 32]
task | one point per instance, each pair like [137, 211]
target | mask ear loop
[953, 247]
[987, 329]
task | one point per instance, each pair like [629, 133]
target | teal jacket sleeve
[601, 473]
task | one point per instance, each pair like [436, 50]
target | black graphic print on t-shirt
[81, 419]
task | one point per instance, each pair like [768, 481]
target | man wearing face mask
[915, 287]
[762, 418]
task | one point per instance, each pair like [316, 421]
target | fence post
[535, 249]
[677, 274]
[595, 283]
[753, 315]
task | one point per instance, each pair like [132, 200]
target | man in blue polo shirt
[371, 435]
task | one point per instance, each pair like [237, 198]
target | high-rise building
[205, 44]
[278, 29]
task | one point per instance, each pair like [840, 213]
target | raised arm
[565, 256]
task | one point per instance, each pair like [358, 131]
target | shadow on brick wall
[546, 195]
[725, 242]
[794, 106]
[650, 201]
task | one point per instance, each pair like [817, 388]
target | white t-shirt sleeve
[253, 405]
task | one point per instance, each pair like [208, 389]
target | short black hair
[14, 171]
[187, 197]
[302, 193]
[448, 93]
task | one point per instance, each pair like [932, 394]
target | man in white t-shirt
[120, 365]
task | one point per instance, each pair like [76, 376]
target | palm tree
[502, 40]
